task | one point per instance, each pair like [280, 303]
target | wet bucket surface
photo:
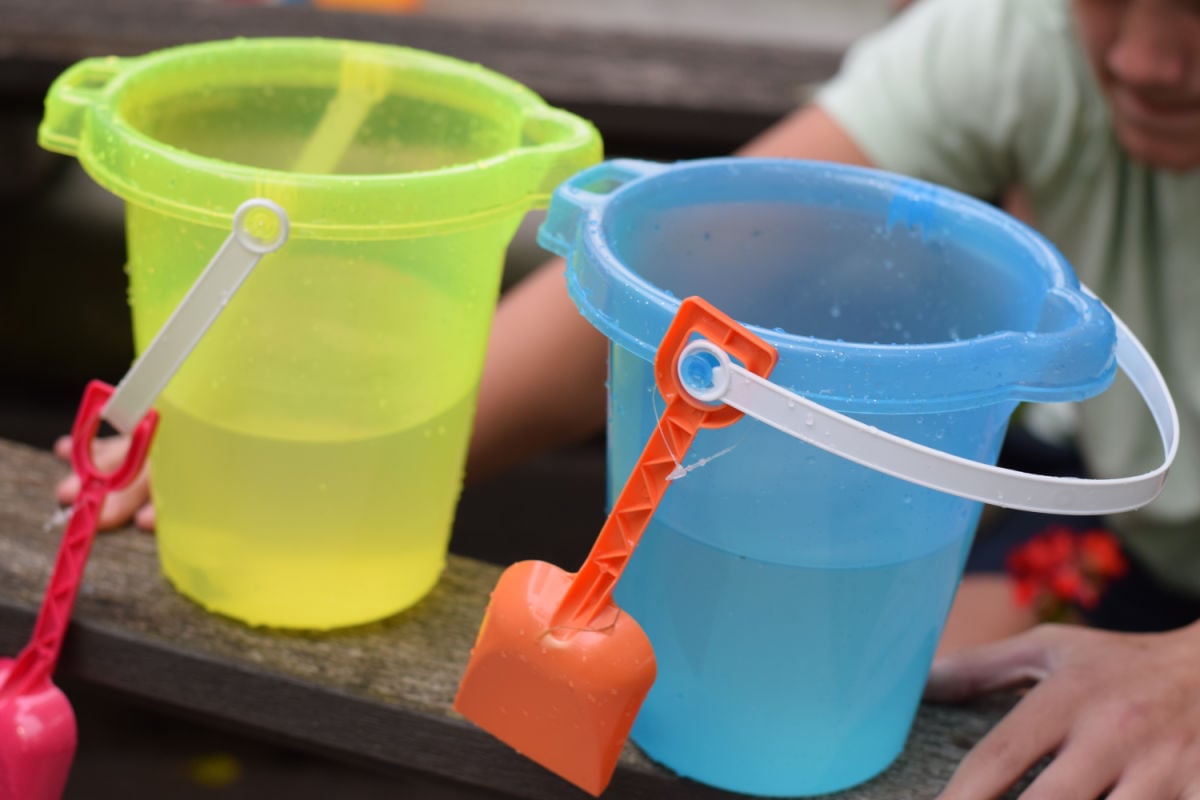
[310, 452]
[794, 599]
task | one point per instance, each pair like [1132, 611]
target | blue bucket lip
[1060, 365]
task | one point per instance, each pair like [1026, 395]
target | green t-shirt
[983, 95]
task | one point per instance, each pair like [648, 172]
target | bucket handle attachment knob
[590, 592]
[709, 375]
[71, 96]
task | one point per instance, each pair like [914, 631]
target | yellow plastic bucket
[310, 453]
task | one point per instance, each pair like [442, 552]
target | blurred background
[662, 79]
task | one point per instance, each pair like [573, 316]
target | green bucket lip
[483, 191]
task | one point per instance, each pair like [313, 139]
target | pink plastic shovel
[37, 724]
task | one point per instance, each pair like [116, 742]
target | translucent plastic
[794, 599]
[310, 453]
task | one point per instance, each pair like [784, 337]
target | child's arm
[543, 379]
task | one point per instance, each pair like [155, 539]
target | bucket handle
[584, 191]
[72, 94]
[707, 374]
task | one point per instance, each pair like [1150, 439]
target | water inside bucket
[776, 266]
[853, 647]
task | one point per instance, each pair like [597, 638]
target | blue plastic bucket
[794, 599]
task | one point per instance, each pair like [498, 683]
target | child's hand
[132, 502]
[1119, 713]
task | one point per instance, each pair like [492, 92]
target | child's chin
[1159, 152]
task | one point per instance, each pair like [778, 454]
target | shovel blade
[565, 699]
[37, 741]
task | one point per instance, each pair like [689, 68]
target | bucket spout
[584, 191]
[71, 97]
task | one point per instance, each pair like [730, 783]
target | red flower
[1059, 570]
[1101, 555]
[1025, 591]
[1066, 582]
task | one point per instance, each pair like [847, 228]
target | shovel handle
[36, 662]
[591, 589]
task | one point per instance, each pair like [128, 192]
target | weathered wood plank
[378, 694]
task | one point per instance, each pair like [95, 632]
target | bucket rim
[528, 171]
[605, 290]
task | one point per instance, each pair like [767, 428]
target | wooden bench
[378, 695]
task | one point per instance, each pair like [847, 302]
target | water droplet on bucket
[809, 419]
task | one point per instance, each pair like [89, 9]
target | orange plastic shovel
[558, 672]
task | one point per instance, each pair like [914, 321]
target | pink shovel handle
[37, 661]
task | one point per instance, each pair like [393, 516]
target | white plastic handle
[192, 317]
[926, 466]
